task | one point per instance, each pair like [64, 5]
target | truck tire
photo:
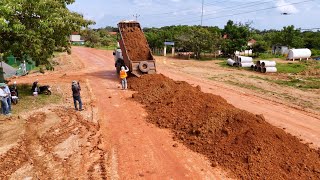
[144, 66]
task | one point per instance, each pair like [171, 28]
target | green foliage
[99, 37]
[237, 37]
[315, 52]
[35, 28]
[194, 39]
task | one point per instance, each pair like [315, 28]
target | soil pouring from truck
[134, 50]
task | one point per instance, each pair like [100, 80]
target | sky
[263, 14]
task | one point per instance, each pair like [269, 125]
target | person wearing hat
[76, 95]
[123, 76]
[4, 102]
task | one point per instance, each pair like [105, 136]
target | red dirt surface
[243, 143]
[136, 44]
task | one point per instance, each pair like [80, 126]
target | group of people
[5, 92]
[5, 95]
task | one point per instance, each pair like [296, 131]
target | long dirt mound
[136, 44]
[241, 142]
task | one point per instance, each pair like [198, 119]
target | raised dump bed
[135, 49]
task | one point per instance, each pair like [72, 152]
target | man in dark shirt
[76, 95]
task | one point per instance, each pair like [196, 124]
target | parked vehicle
[14, 96]
[45, 90]
[134, 51]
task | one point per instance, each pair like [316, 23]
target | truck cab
[118, 59]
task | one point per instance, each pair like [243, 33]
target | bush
[315, 52]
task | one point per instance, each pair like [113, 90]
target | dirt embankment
[241, 142]
[136, 44]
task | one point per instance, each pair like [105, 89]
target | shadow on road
[110, 75]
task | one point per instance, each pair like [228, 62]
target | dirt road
[111, 138]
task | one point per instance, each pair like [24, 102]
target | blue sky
[264, 14]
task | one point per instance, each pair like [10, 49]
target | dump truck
[133, 50]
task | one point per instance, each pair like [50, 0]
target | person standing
[7, 91]
[4, 102]
[123, 77]
[76, 95]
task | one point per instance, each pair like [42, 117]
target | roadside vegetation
[102, 38]
[24, 34]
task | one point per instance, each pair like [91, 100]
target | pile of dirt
[136, 44]
[241, 142]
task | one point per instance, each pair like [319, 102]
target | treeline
[233, 37]
[101, 37]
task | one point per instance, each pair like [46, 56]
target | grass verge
[28, 102]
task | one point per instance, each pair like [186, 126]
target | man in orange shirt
[123, 77]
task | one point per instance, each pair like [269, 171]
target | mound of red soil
[241, 142]
[136, 44]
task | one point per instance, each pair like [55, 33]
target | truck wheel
[144, 66]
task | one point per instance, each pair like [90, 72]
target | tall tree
[36, 27]
[236, 37]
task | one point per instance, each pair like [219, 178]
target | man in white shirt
[7, 91]
[4, 96]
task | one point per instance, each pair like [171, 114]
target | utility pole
[136, 16]
[202, 12]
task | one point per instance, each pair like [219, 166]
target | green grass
[291, 67]
[246, 86]
[270, 56]
[307, 83]
[28, 102]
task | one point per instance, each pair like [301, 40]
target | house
[76, 39]
[251, 42]
[113, 33]
[279, 49]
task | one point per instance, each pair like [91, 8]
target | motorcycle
[14, 96]
[45, 90]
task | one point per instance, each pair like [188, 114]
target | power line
[246, 12]
[230, 8]
[172, 12]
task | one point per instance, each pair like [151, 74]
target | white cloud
[285, 7]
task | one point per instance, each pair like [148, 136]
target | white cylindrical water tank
[299, 53]
[268, 64]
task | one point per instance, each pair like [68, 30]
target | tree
[291, 37]
[35, 28]
[237, 37]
